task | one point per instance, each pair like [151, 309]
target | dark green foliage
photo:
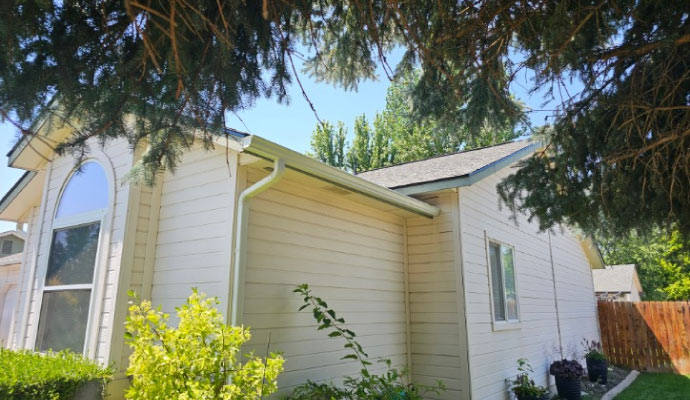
[523, 386]
[27, 375]
[388, 385]
[593, 350]
[661, 257]
[619, 148]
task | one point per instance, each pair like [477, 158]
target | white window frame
[508, 323]
[103, 217]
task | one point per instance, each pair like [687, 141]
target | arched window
[69, 278]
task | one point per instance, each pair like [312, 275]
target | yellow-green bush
[28, 375]
[199, 359]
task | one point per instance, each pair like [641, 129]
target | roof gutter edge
[266, 149]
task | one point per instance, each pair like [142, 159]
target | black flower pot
[597, 371]
[568, 388]
[532, 397]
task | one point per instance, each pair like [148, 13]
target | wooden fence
[648, 336]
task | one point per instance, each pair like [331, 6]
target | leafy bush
[390, 385]
[566, 369]
[593, 350]
[197, 360]
[523, 386]
[28, 375]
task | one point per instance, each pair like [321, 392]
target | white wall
[9, 294]
[493, 354]
[438, 341]
[194, 239]
[350, 254]
[28, 262]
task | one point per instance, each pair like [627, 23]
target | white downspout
[238, 270]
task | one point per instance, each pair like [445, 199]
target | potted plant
[524, 387]
[597, 366]
[568, 374]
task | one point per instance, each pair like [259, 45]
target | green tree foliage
[399, 135]
[328, 144]
[662, 257]
[199, 359]
[619, 146]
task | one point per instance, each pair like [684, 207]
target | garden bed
[595, 390]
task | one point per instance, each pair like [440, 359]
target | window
[7, 246]
[68, 284]
[503, 288]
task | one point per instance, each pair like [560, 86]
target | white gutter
[268, 150]
[241, 237]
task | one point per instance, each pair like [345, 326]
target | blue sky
[291, 125]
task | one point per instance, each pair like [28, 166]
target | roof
[614, 278]
[18, 234]
[452, 167]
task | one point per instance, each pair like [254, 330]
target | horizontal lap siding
[576, 300]
[438, 351]
[28, 259]
[349, 254]
[493, 354]
[194, 229]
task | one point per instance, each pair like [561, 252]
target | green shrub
[28, 375]
[389, 385]
[593, 350]
[200, 359]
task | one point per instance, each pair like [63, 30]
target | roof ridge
[442, 155]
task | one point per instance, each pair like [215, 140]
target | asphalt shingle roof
[443, 167]
[614, 278]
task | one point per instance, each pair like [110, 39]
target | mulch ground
[595, 390]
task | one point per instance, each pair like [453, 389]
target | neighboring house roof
[11, 259]
[616, 278]
[19, 234]
[452, 170]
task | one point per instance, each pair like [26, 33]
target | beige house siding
[24, 289]
[493, 354]
[9, 293]
[350, 254]
[116, 159]
[438, 341]
[195, 222]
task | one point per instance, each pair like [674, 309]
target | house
[11, 246]
[11, 242]
[617, 283]
[434, 274]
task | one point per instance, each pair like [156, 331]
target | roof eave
[16, 189]
[266, 149]
[469, 179]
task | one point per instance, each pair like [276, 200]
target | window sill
[506, 326]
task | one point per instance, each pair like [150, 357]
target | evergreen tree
[619, 147]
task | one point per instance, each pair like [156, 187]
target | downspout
[240, 252]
